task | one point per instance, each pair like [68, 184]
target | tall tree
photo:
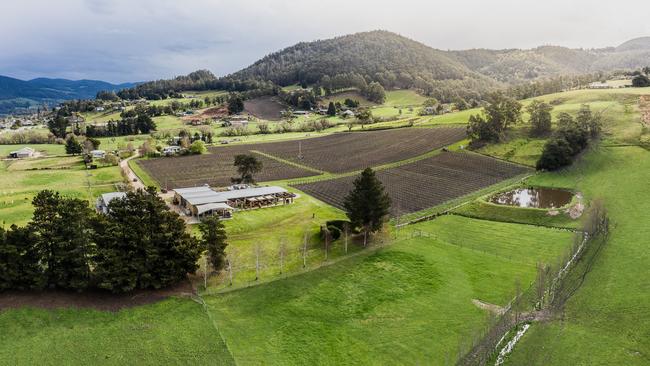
[367, 204]
[235, 104]
[213, 239]
[20, 267]
[540, 117]
[142, 244]
[375, 93]
[331, 109]
[247, 167]
[73, 146]
[61, 226]
[497, 116]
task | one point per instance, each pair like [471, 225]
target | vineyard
[346, 152]
[424, 183]
[215, 169]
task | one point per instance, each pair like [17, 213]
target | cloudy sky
[133, 40]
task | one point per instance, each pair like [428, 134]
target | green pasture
[174, 331]
[409, 303]
[21, 180]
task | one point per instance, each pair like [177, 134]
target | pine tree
[72, 146]
[367, 205]
[213, 239]
[331, 110]
[141, 244]
[19, 261]
[61, 226]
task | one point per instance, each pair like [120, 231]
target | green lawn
[45, 149]
[268, 228]
[21, 180]
[175, 331]
[410, 303]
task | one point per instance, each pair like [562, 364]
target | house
[99, 109]
[98, 154]
[105, 199]
[347, 113]
[25, 152]
[204, 201]
[598, 85]
[171, 150]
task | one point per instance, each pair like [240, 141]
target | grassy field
[175, 331]
[606, 322]
[272, 226]
[21, 180]
[410, 303]
[44, 149]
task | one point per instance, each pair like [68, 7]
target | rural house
[25, 152]
[105, 199]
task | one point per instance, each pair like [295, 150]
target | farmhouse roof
[108, 197]
[201, 209]
[24, 150]
[204, 195]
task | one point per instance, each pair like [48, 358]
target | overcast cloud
[132, 40]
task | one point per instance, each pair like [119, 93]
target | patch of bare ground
[266, 108]
[494, 309]
[91, 299]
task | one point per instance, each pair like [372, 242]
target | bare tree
[304, 250]
[258, 253]
[327, 235]
[229, 261]
[282, 253]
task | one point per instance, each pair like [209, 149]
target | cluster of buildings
[203, 201]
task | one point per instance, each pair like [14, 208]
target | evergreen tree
[213, 239]
[331, 109]
[19, 261]
[73, 146]
[62, 230]
[540, 118]
[235, 104]
[142, 244]
[367, 205]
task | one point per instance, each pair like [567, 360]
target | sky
[138, 40]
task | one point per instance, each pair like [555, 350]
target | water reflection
[534, 197]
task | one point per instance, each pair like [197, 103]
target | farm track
[425, 183]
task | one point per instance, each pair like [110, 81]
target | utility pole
[205, 274]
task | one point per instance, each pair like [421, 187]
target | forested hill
[398, 62]
[380, 56]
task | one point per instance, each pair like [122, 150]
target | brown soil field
[345, 152]
[214, 169]
[425, 183]
[266, 108]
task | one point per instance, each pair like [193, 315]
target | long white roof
[108, 197]
[204, 195]
[212, 206]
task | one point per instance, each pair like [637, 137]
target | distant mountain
[18, 94]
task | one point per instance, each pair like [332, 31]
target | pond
[533, 197]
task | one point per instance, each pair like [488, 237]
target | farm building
[25, 152]
[171, 150]
[597, 85]
[203, 201]
[98, 154]
[105, 199]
